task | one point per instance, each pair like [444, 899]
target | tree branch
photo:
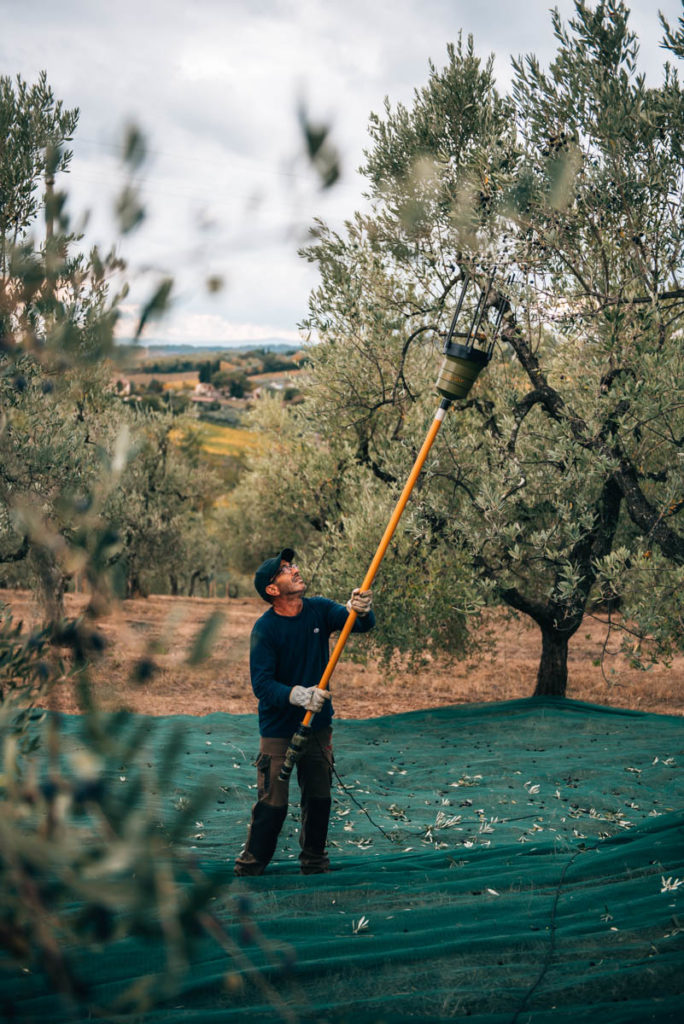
[640, 300]
[544, 393]
[520, 411]
[404, 352]
[364, 458]
[541, 613]
[645, 516]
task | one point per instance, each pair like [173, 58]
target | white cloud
[214, 329]
[204, 329]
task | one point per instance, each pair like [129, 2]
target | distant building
[205, 393]
[121, 385]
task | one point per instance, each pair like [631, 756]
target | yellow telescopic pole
[299, 739]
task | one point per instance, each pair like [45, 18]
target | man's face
[288, 579]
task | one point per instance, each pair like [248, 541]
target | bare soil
[165, 627]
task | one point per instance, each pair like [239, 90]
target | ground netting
[511, 862]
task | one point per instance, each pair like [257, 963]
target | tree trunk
[135, 587]
[552, 677]
[50, 580]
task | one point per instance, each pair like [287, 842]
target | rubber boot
[313, 835]
[262, 839]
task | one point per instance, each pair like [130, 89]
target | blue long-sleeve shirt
[287, 651]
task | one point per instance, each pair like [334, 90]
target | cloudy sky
[215, 86]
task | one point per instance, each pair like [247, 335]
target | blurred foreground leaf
[201, 648]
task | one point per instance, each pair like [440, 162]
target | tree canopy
[558, 483]
[75, 461]
[34, 128]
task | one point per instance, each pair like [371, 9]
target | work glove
[310, 697]
[360, 602]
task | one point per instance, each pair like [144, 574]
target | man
[288, 655]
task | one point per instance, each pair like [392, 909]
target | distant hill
[150, 350]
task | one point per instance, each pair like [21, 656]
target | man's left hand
[360, 602]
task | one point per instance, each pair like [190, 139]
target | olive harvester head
[460, 370]
[463, 362]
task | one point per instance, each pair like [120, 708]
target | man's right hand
[310, 697]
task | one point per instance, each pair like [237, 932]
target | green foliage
[293, 493]
[570, 444]
[156, 305]
[49, 464]
[204, 641]
[173, 364]
[234, 381]
[272, 362]
[88, 486]
[206, 370]
[34, 128]
[161, 510]
[257, 360]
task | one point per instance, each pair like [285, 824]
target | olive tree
[70, 446]
[57, 319]
[34, 128]
[161, 511]
[559, 480]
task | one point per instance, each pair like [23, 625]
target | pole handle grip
[294, 752]
[382, 547]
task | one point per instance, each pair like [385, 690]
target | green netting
[508, 862]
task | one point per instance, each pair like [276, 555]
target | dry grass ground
[222, 682]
